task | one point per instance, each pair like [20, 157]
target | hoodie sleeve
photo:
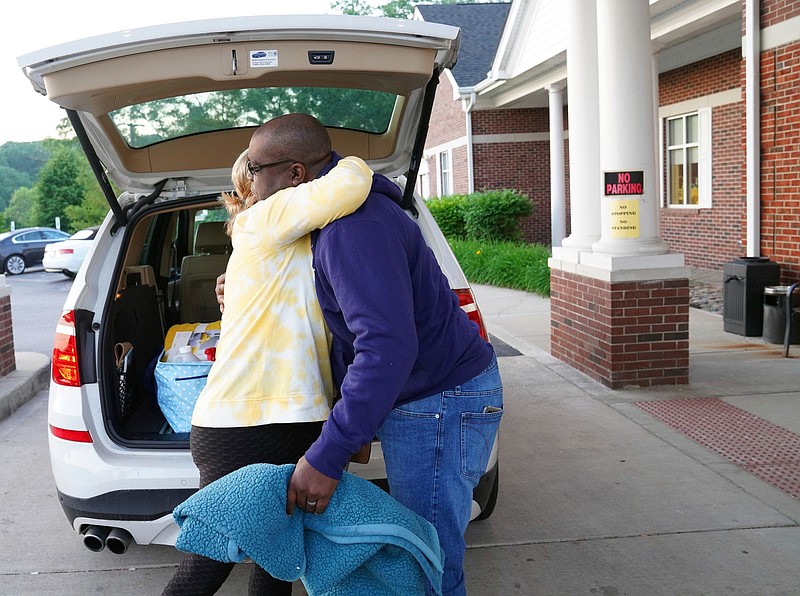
[367, 267]
[293, 212]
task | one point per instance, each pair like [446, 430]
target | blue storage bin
[178, 385]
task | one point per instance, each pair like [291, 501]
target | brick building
[490, 125]
[713, 98]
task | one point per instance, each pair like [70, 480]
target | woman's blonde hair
[242, 196]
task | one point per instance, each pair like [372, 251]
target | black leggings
[220, 451]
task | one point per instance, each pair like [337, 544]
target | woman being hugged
[270, 389]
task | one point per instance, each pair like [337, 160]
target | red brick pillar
[621, 333]
[8, 363]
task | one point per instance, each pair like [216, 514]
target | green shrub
[495, 215]
[504, 264]
[484, 231]
[488, 215]
[449, 215]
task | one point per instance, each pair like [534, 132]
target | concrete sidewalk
[721, 365]
[31, 376]
[668, 490]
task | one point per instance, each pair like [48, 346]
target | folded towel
[364, 543]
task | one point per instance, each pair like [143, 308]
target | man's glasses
[254, 169]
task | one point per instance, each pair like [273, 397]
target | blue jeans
[436, 449]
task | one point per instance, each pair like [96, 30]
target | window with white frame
[424, 179]
[688, 160]
[445, 174]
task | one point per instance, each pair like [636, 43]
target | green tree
[90, 212]
[353, 7]
[401, 9]
[93, 208]
[58, 187]
[20, 209]
[398, 9]
[11, 180]
[64, 129]
[24, 157]
[19, 166]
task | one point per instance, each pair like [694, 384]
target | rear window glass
[156, 121]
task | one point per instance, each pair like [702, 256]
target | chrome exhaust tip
[94, 538]
[118, 541]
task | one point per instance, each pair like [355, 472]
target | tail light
[65, 352]
[467, 303]
[65, 251]
[76, 436]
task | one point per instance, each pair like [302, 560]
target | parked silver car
[163, 112]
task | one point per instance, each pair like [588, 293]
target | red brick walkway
[764, 449]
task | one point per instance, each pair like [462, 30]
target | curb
[19, 387]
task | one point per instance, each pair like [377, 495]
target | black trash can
[743, 296]
[775, 315]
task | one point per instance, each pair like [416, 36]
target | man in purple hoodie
[411, 367]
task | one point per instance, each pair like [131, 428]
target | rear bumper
[145, 514]
[125, 505]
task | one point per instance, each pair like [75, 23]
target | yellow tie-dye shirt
[273, 361]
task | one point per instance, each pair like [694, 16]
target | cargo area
[166, 281]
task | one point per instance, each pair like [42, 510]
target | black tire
[15, 265]
[486, 512]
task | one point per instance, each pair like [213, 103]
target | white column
[753, 127]
[584, 128]
[628, 216]
[558, 200]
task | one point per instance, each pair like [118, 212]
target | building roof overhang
[682, 32]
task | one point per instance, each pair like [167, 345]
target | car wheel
[15, 264]
[492, 501]
[69, 273]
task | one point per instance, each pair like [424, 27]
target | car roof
[99, 77]
[9, 233]
[86, 233]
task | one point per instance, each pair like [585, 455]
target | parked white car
[163, 112]
[66, 257]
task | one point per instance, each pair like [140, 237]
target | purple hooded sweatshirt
[398, 331]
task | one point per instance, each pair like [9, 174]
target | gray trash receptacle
[775, 315]
[743, 296]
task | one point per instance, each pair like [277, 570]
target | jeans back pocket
[478, 435]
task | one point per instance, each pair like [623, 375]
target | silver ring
[311, 503]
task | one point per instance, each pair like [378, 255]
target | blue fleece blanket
[364, 543]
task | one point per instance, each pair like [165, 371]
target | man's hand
[219, 290]
[309, 489]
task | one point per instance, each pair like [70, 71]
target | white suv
[162, 112]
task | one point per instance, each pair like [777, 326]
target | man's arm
[367, 267]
